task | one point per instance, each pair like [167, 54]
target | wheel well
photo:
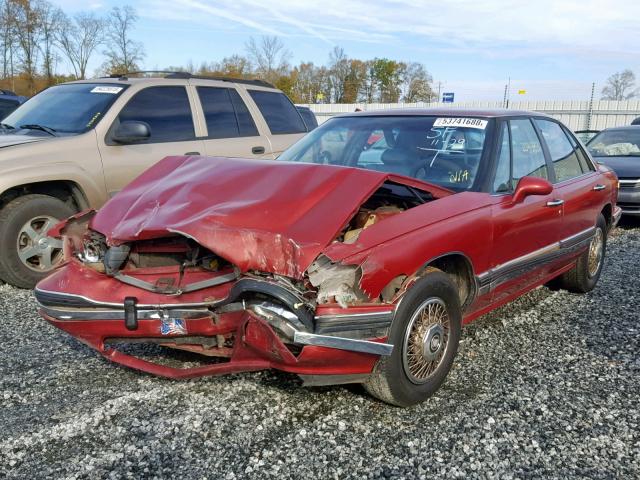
[459, 268]
[607, 213]
[67, 191]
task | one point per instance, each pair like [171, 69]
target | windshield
[71, 108]
[441, 150]
[616, 143]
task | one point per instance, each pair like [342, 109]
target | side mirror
[531, 186]
[131, 132]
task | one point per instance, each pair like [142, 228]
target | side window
[165, 109]
[502, 180]
[563, 155]
[585, 163]
[281, 115]
[528, 158]
[246, 125]
[218, 112]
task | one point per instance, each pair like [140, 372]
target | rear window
[281, 115]
[225, 113]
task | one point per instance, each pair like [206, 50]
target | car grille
[629, 183]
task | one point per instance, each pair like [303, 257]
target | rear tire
[425, 333]
[583, 277]
[27, 255]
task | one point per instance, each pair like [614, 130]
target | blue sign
[447, 97]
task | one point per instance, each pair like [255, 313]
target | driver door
[526, 232]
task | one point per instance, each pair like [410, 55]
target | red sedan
[362, 268]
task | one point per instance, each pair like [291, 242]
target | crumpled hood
[258, 214]
[10, 139]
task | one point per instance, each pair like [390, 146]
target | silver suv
[75, 145]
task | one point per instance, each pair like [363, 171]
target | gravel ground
[546, 387]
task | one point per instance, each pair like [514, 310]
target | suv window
[225, 117]
[528, 158]
[566, 164]
[281, 115]
[7, 106]
[165, 109]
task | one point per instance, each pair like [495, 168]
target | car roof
[621, 128]
[127, 79]
[452, 111]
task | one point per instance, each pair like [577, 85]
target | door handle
[192, 153]
[257, 150]
[599, 187]
[555, 203]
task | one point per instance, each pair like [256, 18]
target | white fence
[577, 115]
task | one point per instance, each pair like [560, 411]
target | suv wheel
[27, 255]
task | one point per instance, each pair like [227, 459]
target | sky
[550, 49]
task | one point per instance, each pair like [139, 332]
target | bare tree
[7, 37]
[620, 86]
[123, 53]
[28, 32]
[416, 83]
[339, 69]
[79, 38]
[51, 19]
[270, 57]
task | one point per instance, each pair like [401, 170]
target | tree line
[35, 36]
[341, 80]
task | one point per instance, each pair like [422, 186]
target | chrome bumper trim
[118, 314]
[340, 343]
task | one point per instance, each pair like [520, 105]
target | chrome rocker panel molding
[491, 279]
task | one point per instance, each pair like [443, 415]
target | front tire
[583, 277]
[27, 255]
[425, 334]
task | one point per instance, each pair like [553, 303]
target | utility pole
[590, 113]
[507, 91]
[439, 88]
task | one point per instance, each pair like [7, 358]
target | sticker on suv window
[103, 89]
[461, 122]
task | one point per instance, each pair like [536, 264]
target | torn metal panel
[335, 282]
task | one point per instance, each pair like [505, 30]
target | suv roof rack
[187, 75]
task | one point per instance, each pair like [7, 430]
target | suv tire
[27, 255]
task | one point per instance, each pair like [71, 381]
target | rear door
[524, 233]
[281, 117]
[167, 110]
[229, 128]
[576, 180]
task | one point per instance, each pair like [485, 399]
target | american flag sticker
[173, 326]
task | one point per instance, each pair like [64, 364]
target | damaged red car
[345, 261]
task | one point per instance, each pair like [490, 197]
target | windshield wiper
[42, 128]
[6, 126]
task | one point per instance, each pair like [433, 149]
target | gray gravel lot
[546, 387]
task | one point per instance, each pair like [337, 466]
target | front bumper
[629, 201]
[338, 344]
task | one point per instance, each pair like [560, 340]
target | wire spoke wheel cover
[595, 252]
[36, 250]
[425, 340]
